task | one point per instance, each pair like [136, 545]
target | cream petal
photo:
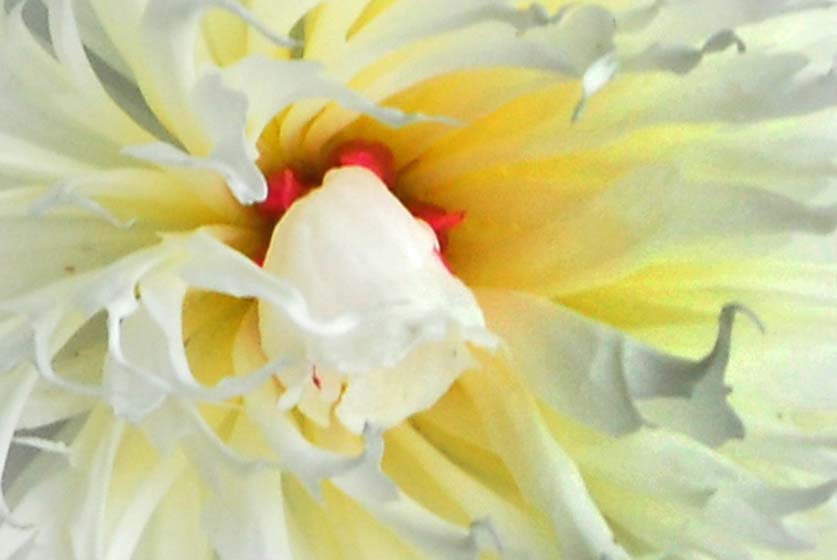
[355, 530]
[486, 34]
[493, 34]
[132, 395]
[427, 473]
[49, 501]
[81, 360]
[247, 520]
[67, 44]
[722, 499]
[310, 464]
[383, 397]
[168, 74]
[87, 524]
[226, 149]
[543, 470]
[681, 59]
[790, 293]
[691, 21]
[15, 387]
[128, 531]
[601, 377]
[95, 37]
[648, 217]
[360, 478]
[45, 108]
[410, 520]
[254, 91]
[170, 533]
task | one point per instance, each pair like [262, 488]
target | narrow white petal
[127, 532]
[15, 387]
[542, 469]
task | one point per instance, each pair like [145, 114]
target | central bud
[354, 252]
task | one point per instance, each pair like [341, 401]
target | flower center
[287, 185]
[357, 255]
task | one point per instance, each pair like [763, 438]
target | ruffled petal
[712, 504]
[603, 378]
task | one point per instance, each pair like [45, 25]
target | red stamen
[439, 219]
[374, 156]
[315, 377]
[283, 189]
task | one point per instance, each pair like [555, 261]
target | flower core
[353, 250]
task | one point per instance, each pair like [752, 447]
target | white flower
[417, 279]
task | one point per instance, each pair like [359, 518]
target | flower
[417, 279]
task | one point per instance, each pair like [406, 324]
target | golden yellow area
[530, 180]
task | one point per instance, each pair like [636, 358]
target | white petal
[681, 59]
[602, 378]
[689, 21]
[44, 108]
[721, 498]
[595, 78]
[245, 515]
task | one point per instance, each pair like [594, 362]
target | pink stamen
[374, 156]
[283, 189]
[439, 219]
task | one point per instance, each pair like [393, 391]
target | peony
[417, 279]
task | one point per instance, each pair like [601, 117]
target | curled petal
[605, 379]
